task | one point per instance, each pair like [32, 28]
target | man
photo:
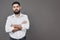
[17, 24]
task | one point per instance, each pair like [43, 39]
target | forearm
[16, 29]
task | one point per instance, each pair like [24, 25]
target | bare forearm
[15, 29]
[19, 27]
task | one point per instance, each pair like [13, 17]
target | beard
[17, 12]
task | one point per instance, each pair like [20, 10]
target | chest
[17, 20]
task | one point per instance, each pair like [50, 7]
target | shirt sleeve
[26, 24]
[8, 27]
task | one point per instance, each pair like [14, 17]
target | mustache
[17, 12]
[16, 9]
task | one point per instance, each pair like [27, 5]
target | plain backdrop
[44, 16]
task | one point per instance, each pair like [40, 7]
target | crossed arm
[15, 27]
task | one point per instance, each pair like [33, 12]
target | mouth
[16, 10]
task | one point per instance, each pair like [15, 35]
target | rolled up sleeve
[27, 24]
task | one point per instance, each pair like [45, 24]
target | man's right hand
[15, 29]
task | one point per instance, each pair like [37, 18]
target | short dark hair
[15, 3]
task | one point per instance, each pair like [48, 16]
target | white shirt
[14, 20]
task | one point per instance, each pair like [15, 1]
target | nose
[16, 8]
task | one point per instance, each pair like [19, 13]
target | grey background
[44, 18]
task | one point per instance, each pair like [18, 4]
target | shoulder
[10, 16]
[25, 15]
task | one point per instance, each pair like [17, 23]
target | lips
[16, 10]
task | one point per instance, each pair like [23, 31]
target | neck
[17, 15]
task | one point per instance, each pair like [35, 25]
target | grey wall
[44, 18]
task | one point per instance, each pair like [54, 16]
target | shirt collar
[19, 16]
